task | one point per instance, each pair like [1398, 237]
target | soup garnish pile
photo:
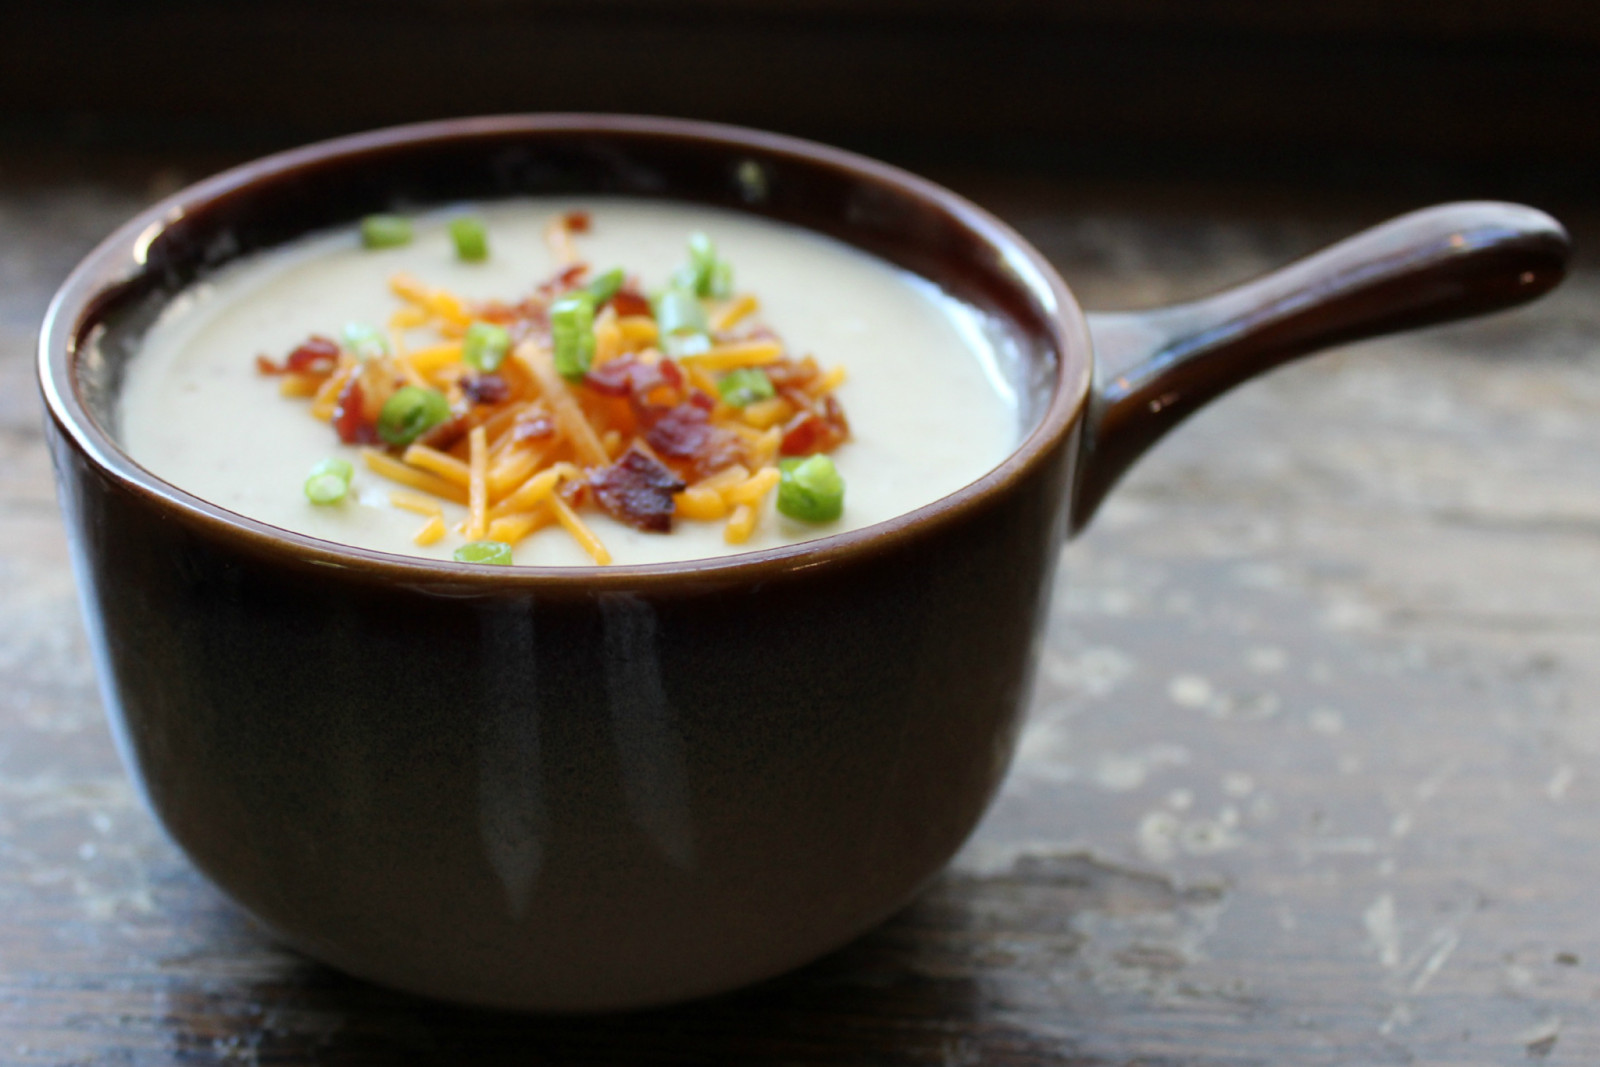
[675, 404]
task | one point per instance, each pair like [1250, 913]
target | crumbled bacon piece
[633, 377]
[563, 280]
[316, 355]
[447, 434]
[576, 221]
[264, 365]
[680, 432]
[496, 311]
[792, 374]
[809, 432]
[576, 493]
[349, 415]
[685, 433]
[637, 490]
[534, 427]
[485, 388]
[630, 302]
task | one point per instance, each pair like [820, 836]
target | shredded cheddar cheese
[432, 531]
[477, 484]
[735, 311]
[445, 466]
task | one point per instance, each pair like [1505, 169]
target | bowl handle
[1154, 368]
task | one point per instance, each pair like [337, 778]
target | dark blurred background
[1469, 97]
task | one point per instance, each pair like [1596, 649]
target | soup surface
[928, 388]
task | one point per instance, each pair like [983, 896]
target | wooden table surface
[1310, 776]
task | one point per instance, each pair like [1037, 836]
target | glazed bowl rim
[120, 258]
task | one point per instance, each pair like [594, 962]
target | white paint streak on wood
[1383, 930]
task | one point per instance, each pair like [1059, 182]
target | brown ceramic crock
[595, 788]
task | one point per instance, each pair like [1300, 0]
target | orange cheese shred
[431, 533]
[702, 505]
[511, 471]
[478, 485]
[764, 413]
[737, 354]
[827, 383]
[408, 288]
[530, 494]
[327, 397]
[734, 312]
[637, 331]
[563, 405]
[395, 471]
[580, 532]
[516, 527]
[417, 502]
[445, 466]
[752, 489]
[740, 525]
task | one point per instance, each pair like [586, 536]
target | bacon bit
[685, 433]
[681, 432]
[496, 311]
[833, 411]
[265, 365]
[316, 355]
[808, 432]
[576, 221]
[577, 492]
[534, 427]
[485, 389]
[637, 490]
[633, 377]
[448, 434]
[791, 374]
[631, 302]
[349, 415]
[563, 280]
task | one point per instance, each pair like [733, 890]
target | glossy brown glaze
[576, 788]
[1155, 368]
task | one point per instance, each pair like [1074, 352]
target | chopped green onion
[363, 341]
[606, 285]
[326, 489]
[702, 253]
[572, 334]
[720, 286]
[471, 239]
[810, 489]
[484, 346]
[744, 386]
[752, 180]
[681, 323]
[329, 481]
[340, 468]
[411, 412]
[385, 231]
[484, 552]
[704, 274]
[678, 345]
[678, 312]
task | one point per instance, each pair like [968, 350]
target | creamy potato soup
[921, 381]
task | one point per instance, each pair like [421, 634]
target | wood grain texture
[1310, 775]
